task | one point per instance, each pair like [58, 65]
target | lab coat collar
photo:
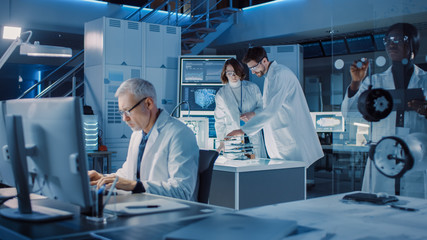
[158, 125]
[413, 82]
[273, 65]
[416, 76]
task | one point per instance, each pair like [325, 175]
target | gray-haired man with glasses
[163, 153]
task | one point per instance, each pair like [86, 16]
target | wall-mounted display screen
[199, 97]
[201, 70]
[328, 121]
[312, 50]
[335, 47]
[360, 44]
[379, 42]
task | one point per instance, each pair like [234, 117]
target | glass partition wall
[327, 75]
[334, 34]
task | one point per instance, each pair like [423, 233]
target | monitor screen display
[379, 42]
[328, 121]
[202, 69]
[336, 47]
[211, 118]
[199, 97]
[360, 44]
[312, 50]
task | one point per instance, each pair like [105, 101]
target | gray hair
[140, 88]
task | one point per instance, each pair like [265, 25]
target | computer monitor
[312, 50]
[335, 47]
[47, 151]
[360, 44]
[6, 174]
[328, 121]
[201, 69]
[199, 97]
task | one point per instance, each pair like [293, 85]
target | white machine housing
[116, 50]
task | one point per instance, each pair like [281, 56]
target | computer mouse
[382, 195]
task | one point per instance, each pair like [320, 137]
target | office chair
[206, 162]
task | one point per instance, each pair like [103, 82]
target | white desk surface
[348, 220]
[224, 164]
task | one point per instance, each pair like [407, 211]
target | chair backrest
[206, 162]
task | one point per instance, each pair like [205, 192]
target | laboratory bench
[328, 217]
[331, 217]
[241, 184]
[122, 227]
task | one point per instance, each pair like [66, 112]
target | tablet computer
[401, 97]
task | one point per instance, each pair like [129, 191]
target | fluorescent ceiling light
[37, 50]
[361, 124]
[26, 48]
[11, 32]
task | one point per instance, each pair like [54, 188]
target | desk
[351, 166]
[344, 220]
[80, 228]
[243, 184]
[98, 160]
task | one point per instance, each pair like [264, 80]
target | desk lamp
[36, 50]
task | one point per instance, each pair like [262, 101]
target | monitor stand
[37, 214]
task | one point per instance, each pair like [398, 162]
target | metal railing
[48, 79]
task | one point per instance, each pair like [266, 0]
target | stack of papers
[144, 207]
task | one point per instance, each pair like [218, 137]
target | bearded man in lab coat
[163, 153]
[402, 44]
[288, 129]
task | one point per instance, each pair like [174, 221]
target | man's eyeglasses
[230, 74]
[256, 66]
[127, 112]
[395, 40]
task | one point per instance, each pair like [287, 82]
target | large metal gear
[381, 104]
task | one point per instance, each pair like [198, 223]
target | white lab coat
[288, 129]
[227, 115]
[170, 162]
[413, 121]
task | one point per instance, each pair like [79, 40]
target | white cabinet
[101, 83]
[116, 50]
[165, 82]
[113, 41]
[163, 46]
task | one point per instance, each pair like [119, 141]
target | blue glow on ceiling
[96, 1]
[262, 5]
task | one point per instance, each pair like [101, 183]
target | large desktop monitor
[46, 149]
[201, 69]
[328, 121]
[199, 97]
[6, 174]
[335, 47]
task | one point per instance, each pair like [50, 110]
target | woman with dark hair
[237, 102]
[401, 42]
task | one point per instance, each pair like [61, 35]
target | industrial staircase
[198, 31]
[198, 35]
